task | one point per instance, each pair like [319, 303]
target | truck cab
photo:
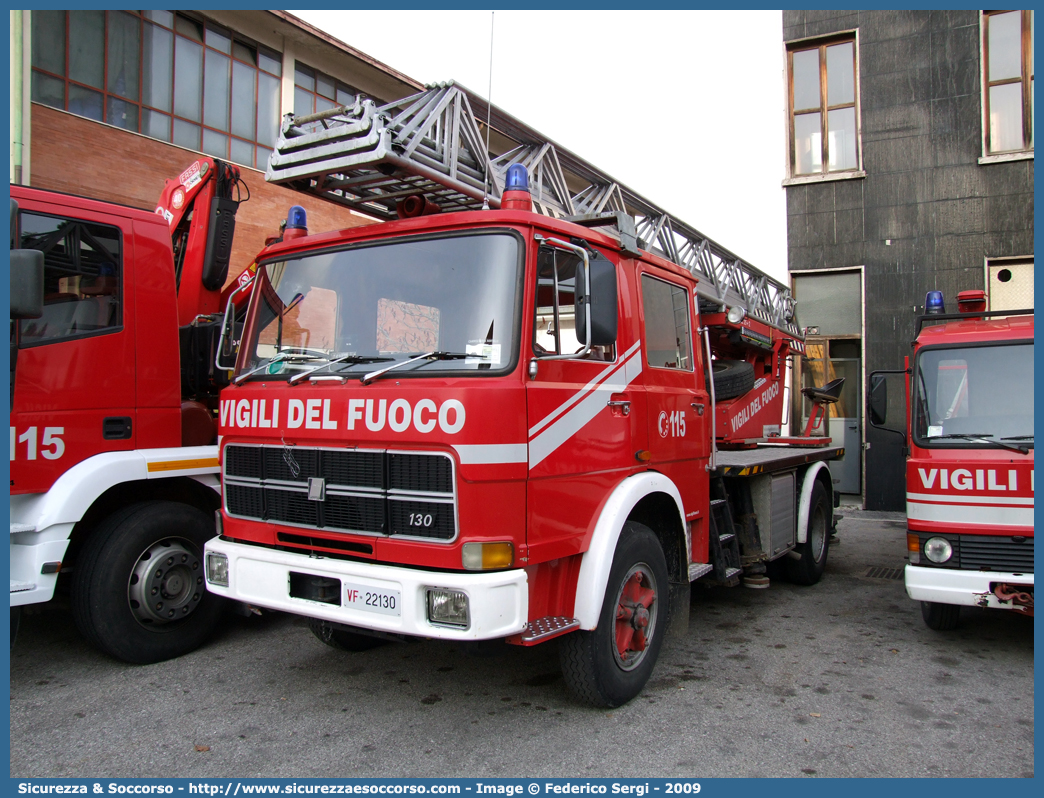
[114, 478]
[969, 468]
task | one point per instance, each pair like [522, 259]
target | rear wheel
[940, 617]
[138, 589]
[610, 665]
[337, 637]
[809, 568]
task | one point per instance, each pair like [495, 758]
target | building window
[161, 74]
[1007, 38]
[824, 108]
[314, 91]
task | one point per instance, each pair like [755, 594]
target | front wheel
[940, 617]
[808, 569]
[608, 666]
[138, 588]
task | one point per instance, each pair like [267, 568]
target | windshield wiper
[285, 356]
[984, 437]
[426, 356]
[1018, 438]
[348, 359]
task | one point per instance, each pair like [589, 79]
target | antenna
[489, 113]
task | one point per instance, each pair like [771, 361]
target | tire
[940, 617]
[732, 378]
[125, 598]
[341, 639]
[595, 669]
[814, 551]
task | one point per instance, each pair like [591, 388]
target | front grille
[986, 553]
[370, 492]
[991, 553]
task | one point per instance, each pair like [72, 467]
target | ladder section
[370, 158]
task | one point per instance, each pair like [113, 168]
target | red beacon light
[971, 301]
[516, 190]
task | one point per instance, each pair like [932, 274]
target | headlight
[448, 607]
[217, 569]
[938, 550]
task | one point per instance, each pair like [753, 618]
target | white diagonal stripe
[583, 412]
[572, 400]
[491, 453]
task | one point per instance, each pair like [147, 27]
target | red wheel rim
[635, 617]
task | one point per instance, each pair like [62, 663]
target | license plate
[372, 599]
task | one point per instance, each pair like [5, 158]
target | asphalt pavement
[841, 679]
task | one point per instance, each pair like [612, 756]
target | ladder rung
[716, 502]
[726, 537]
[731, 572]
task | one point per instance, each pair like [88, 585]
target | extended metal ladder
[432, 143]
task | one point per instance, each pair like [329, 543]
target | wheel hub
[635, 624]
[166, 584]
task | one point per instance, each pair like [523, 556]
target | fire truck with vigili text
[528, 405]
[968, 424]
[114, 473]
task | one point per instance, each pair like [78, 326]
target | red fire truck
[535, 420]
[114, 476]
[969, 457]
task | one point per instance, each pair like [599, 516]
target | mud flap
[678, 611]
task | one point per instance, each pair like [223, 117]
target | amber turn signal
[487, 556]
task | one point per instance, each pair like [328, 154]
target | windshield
[974, 394]
[342, 312]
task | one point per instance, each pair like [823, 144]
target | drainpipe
[16, 97]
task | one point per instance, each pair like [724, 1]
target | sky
[686, 108]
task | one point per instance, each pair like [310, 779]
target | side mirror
[27, 276]
[602, 303]
[878, 400]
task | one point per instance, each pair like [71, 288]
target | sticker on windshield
[482, 353]
[934, 431]
[275, 367]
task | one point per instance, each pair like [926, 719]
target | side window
[83, 273]
[554, 331]
[667, 339]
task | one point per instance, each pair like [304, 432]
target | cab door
[585, 416]
[73, 381]
[678, 403]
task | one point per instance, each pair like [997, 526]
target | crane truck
[529, 404]
[967, 421]
[114, 471]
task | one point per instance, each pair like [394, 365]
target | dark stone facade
[924, 190]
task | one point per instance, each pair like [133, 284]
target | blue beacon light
[517, 178]
[933, 303]
[296, 218]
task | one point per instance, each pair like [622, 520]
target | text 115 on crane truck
[476, 424]
[114, 473]
[968, 428]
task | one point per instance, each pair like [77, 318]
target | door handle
[623, 405]
[698, 407]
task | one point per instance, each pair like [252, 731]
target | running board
[698, 569]
[544, 629]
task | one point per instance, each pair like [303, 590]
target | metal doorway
[830, 309]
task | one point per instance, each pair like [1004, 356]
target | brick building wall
[80, 156]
